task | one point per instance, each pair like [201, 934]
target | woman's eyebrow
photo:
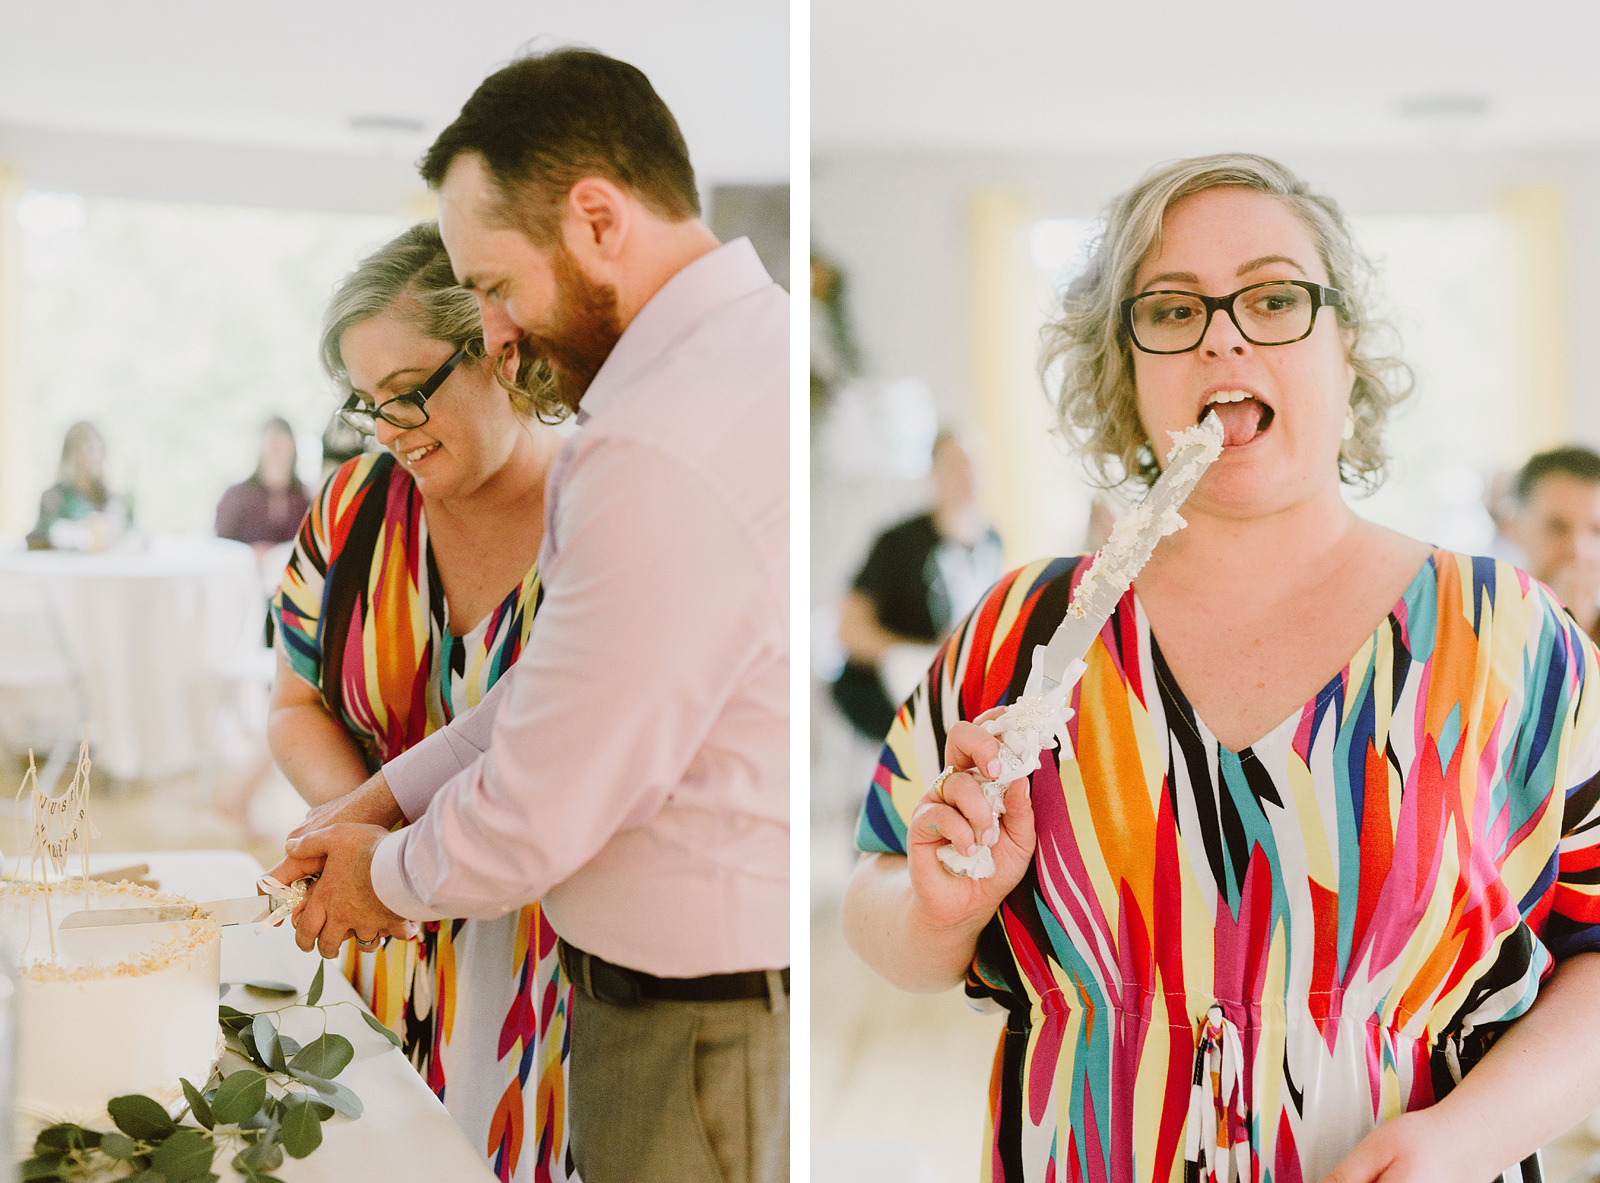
[1253, 264]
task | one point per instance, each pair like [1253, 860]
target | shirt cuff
[389, 881]
[419, 772]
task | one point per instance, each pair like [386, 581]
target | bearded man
[631, 771]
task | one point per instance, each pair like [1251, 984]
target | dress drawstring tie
[1216, 1147]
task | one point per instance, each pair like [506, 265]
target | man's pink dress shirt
[632, 769]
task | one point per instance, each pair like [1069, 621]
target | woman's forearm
[1543, 1075]
[317, 755]
[889, 930]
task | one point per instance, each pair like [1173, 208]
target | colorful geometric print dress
[1228, 965]
[480, 1005]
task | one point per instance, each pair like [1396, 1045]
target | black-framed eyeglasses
[404, 410]
[1277, 312]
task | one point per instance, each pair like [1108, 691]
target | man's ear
[597, 220]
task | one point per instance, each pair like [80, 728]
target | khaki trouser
[679, 1092]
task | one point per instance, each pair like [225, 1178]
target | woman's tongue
[1240, 421]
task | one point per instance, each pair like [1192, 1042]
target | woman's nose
[386, 431]
[1222, 336]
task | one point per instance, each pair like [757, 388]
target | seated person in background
[266, 509]
[920, 577]
[79, 496]
[1557, 525]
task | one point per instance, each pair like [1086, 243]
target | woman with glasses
[1308, 890]
[412, 588]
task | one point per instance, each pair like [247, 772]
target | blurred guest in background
[340, 442]
[920, 576]
[266, 509]
[1500, 503]
[79, 512]
[1557, 525]
[412, 589]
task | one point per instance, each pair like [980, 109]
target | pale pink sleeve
[417, 773]
[655, 609]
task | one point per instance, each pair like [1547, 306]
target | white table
[404, 1133]
[157, 638]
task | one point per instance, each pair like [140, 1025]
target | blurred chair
[41, 703]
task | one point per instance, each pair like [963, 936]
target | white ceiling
[1062, 75]
[292, 73]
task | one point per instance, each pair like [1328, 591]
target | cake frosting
[107, 1011]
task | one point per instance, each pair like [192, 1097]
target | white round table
[157, 636]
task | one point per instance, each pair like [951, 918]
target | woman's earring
[1349, 425]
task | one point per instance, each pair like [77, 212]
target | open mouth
[413, 456]
[1243, 415]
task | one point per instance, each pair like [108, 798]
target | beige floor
[899, 1081]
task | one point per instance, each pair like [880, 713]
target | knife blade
[1186, 464]
[242, 910]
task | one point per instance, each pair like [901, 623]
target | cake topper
[57, 823]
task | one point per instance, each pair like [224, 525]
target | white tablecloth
[404, 1133]
[157, 637]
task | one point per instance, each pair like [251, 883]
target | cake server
[244, 910]
[1141, 530]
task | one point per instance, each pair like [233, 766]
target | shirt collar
[712, 281]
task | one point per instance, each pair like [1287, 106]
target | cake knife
[1191, 455]
[244, 910]
[1028, 725]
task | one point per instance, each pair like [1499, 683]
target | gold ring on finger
[936, 789]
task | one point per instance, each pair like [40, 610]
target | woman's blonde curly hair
[411, 275]
[1095, 402]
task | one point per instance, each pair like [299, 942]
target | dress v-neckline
[1291, 722]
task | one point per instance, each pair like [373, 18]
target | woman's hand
[1424, 1146]
[960, 814]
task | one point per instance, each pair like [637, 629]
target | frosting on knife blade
[1133, 540]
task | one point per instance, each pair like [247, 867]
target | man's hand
[370, 805]
[342, 904]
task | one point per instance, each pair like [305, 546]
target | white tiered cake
[112, 1010]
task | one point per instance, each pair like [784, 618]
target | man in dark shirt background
[921, 577]
[1557, 525]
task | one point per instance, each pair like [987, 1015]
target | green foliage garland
[264, 1112]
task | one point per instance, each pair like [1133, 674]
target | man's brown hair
[547, 121]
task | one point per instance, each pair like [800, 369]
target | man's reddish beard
[581, 330]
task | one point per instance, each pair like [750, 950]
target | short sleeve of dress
[297, 608]
[1573, 925]
[976, 668]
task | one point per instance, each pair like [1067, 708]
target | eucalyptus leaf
[379, 1027]
[316, 1082]
[222, 990]
[234, 1020]
[312, 994]
[344, 1100]
[325, 1057]
[58, 1140]
[185, 1155]
[264, 1033]
[120, 1146]
[247, 1040]
[140, 1118]
[146, 1176]
[239, 1097]
[271, 988]
[264, 1155]
[291, 1047]
[197, 1106]
[39, 1168]
[302, 1130]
